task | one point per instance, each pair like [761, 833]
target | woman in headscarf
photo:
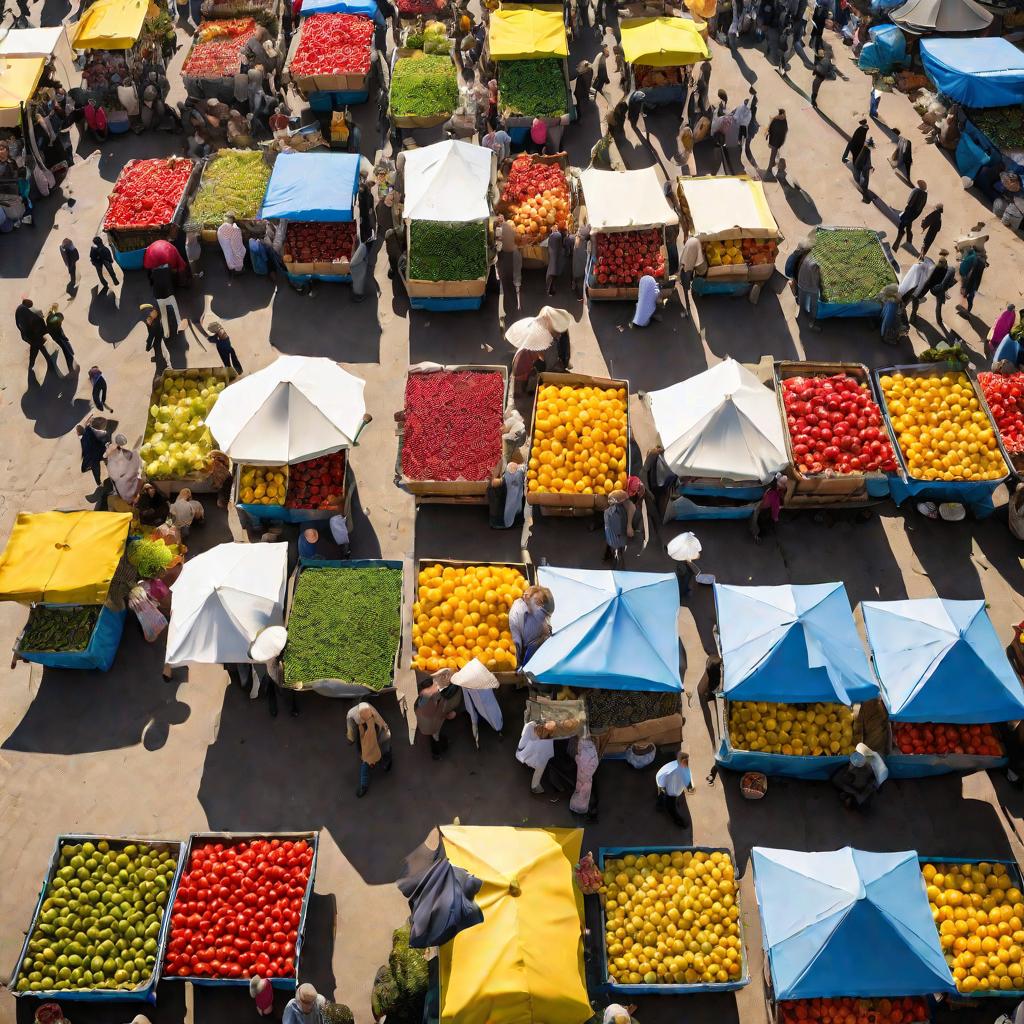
[859, 780]
[514, 479]
[647, 297]
[582, 800]
[359, 268]
[364, 723]
[529, 621]
[616, 525]
[124, 468]
[535, 750]
[229, 236]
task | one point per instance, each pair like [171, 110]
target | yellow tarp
[19, 77]
[62, 557]
[524, 963]
[728, 207]
[110, 25]
[662, 42]
[527, 33]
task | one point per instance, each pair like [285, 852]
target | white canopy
[221, 601]
[37, 42]
[448, 181]
[624, 200]
[725, 207]
[923, 16]
[295, 409]
[723, 423]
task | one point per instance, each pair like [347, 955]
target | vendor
[152, 507]
[186, 511]
[436, 704]
[529, 621]
[124, 468]
[1008, 357]
[535, 750]
[859, 780]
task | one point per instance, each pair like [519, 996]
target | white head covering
[878, 765]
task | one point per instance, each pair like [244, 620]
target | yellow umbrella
[110, 25]
[662, 42]
[19, 77]
[524, 963]
[526, 33]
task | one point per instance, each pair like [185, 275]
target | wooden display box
[415, 120]
[598, 291]
[336, 268]
[446, 289]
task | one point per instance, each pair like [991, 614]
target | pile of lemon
[672, 919]
[263, 485]
[979, 911]
[941, 428]
[461, 613]
[580, 441]
[808, 730]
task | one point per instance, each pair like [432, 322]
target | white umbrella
[223, 599]
[536, 333]
[295, 409]
[684, 548]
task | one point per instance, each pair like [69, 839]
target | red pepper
[333, 44]
[147, 193]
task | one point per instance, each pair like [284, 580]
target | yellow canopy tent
[63, 557]
[662, 42]
[727, 207]
[110, 25]
[19, 77]
[524, 963]
[527, 33]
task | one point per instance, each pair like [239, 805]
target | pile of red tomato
[147, 193]
[333, 44]
[939, 738]
[835, 426]
[623, 257]
[237, 910]
[849, 1010]
[327, 242]
[317, 483]
[217, 50]
[1005, 396]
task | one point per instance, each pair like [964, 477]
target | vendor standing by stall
[529, 621]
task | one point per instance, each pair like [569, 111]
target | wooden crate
[595, 291]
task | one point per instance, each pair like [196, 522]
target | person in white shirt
[339, 532]
[674, 779]
[536, 748]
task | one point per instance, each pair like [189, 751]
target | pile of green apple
[99, 922]
[177, 442]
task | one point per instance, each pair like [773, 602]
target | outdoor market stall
[934, 457]
[20, 77]
[266, 12]
[927, 17]
[314, 194]
[232, 181]
[331, 57]
[628, 213]
[732, 219]
[424, 89]
[723, 439]
[855, 265]
[946, 684]
[843, 928]
[216, 56]
[447, 214]
[656, 50]
[147, 203]
[796, 649]
[530, 49]
[69, 568]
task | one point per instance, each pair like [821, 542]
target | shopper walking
[916, 202]
[161, 280]
[226, 351]
[972, 268]
[584, 81]
[940, 286]
[55, 329]
[932, 224]
[674, 782]
[436, 704]
[556, 257]
[364, 725]
[862, 167]
[99, 389]
[232, 244]
[902, 156]
[818, 19]
[822, 70]
[69, 254]
[103, 260]
[616, 529]
[601, 78]
[93, 442]
[775, 133]
[155, 336]
[32, 328]
[359, 268]
[858, 138]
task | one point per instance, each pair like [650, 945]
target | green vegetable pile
[52, 628]
[423, 85]
[400, 987]
[532, 88]
[151, 557]
[344, 624]
[441, 251]
[99, 922]
[1003, 125]
[853, 264]
[234, 181]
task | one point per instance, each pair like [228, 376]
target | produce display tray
[918, 766]
[208, 229]
[146, 991]
[308, 84]
[513, 119]
[97, 655]
[412, 121]
[446, 289]
[129, 239]
[606, 292]
[229, 838]
[283, 513]
[614, 988]
[863, 307]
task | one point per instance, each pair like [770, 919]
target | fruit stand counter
[424, 89]
[147, 203]
[656, 51]
[594, 449]
[232, 181]
[344, 627]
[450, 432]
[103, 954]
[849, 1010]
[71, 636]
[279, 870]
[696, 873]
[330, 60]
[932, 465]
[628, 214]
[266, 12]
[216, 56]
[855, 266]
[303, 492]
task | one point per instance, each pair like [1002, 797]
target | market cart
[147, 203]
[447, 215]
[723, 439]
[232, 181]
[331, 59]
[80, 978]
[794, 648]
[732, 219]
[946, 683]
[69, 568]
[266, 12]
[656, 51]
[314, 194]
[424, 89]
[628, 214]
[938, 469]
[216, 56]
[680, 977]
[344, 627]
[856, 264]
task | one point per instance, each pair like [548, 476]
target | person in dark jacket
[862, 167]
[366, 219]
[152, 506]
[903, 155]
[103, 260]
[916, 202]
[162, 281]
[857, 140]
[932, 225]
[775, 133]
[942, 279]
[69, 254]
[393, 239]
[155, 336]
[32, 328]
[584, 80]
[226, 351]
[55, 328]
[822, 70]
[818, 19]
[972, 267]
[94, 443]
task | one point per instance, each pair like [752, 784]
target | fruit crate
[208, 229]
[285, 513]
[1016, 459]
[98, 654]
[145, 991]
[419, 289]
[230, 839]
[307, 85]
[451, 492]
[615, 989]
[916, 766]
[610, 292]
[869, 305]
[413, 121]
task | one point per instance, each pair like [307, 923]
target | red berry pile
[317, 483]
[1005, 397]
[937, 738]
[217, 50]
[333, 44]
[320, 243]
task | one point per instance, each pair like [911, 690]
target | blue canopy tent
[847, 923]
[941, 661]
[367, 8]
[318, 187]
[977, 72]
[610, 630]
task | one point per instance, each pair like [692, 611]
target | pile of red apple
[850, 1010]
[937, 738]
[1005, 396]
[623, 257]
[319, 243]
[317, 483]
[835, 426]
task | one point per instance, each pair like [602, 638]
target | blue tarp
[791, 645]
[792, 766]
[941, 661]
[971, 156]
[312, 187]
[367, 8]
[100, 653]
[978, 72]
[976, 495]
[886, 49]
[611, 630]
[847, 923]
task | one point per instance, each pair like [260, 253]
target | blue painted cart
[285, 514]
[869, 306]
[98, 654]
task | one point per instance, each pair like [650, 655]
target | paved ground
[129, 753]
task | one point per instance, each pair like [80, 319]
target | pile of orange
[849, 1010]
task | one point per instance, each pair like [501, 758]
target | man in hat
[916, 202]
[941, 284]
[902, 156]
[857, 140]
[932, 224]
[364, 723]
[306, 1008]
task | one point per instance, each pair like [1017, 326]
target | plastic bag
[151, 619]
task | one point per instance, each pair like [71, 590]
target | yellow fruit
[792, 729]
[263, 485]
